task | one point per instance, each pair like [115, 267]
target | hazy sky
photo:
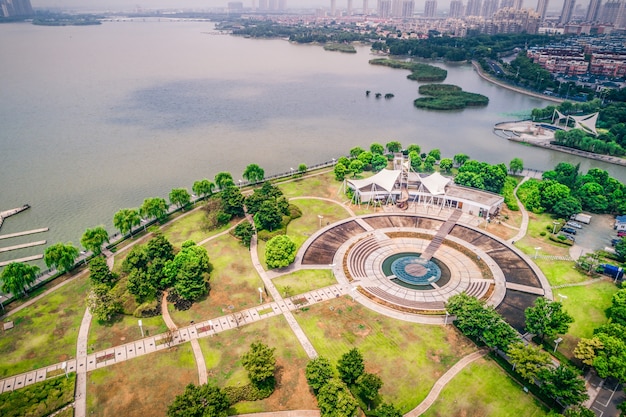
[200, 4]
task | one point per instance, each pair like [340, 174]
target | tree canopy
[335, 400]
[260, 363]
[351, 366]
[199, 401]
[16, 276]
[155, 207]
[547, 318]
[180, 197]
[254, 173]
[125, 219]
[189, 271]
[280, 252]
[318, 372]
[203, 188]
[61, 256]
[93, 239]
[224, 180]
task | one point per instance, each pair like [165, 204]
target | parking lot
[594, 236]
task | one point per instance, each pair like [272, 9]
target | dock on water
[22, 246]
[12, 212]
[27, 232]
[26, 259]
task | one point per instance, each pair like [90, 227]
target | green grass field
[301, 228]
[123, 330]
[560, 272]
[408, 357]
[587, 305]
[223, 352]
[45, 332]
[305, 280]
[143, 386]
[483, 389]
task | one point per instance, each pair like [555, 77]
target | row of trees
[565, 191]
[337, 396]
[545, 318]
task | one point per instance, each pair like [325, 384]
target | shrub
[148, 309]
[542, 233]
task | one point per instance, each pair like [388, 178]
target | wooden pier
[28, 232]
[26, 259]
[12, 212]
[22, 246]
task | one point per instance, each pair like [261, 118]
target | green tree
[435, 153]
[141, 286]
[528, 360]
[564, 385]
[566, 207]
[617, 312]
[155, 207]
[429, 163]
[369, 385]
[260, 363]
[302, 169]
[244, 232]
[592, 197]
[335, 400]
[102, 303]
[414, 148]
[547, 318]
[356, 151]
[203, 188]
[579, 411]
[232, 201]
[356, 167]
[180, 197]
[516, 165]
[99, 272]
[377, 148]
[61, 256]
[415, 160]
[280, 251]
[224, 180]
[350, 366]
[189, 271]
[393, 146]
[552, 192]
[93, 239]
[460, 159]
[254, 173]
[318, 372]
[125, 219]
[379, 162]
[586, 350]
[16, 276]
[340, 171]
[387, 410]
[199, 401]
[268, 217]
[446, 165]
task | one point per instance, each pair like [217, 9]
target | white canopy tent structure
[586, 123]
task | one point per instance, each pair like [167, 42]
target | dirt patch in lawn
[292, 391]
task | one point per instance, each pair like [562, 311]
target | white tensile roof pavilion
[389, 186]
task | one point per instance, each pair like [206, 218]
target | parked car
[568, 230]
[621, 233]
[615, 241]
[568, 237]
[574, 224]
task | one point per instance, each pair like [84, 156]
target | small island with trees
[448, 97]
[347, 48]
[419, 71]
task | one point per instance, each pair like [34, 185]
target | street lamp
[537, 249]
[260, 295]
[291, 171]
[319, 216]
[555, 223]
[352, 291]
[64, 367]
[445, 323]
[334, 161]
[556, 343]
[141, 327]
[240, 181]
[2, 302]
[562, 297]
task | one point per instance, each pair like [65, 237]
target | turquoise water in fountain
[407, 269]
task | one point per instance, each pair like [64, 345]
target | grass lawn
[587, 305]
[322, 185]
[408, 357]
[143, 386]
[223, 351]
[234, 282]
[304, 281]
[538, 223]
[191, 226]
[123, 330]
[45, 333]
[483, 389]
[560, 272]
[300, 229]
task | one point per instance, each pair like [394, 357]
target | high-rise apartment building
[384, 8]
[614, 12]
[593, 10]
[333, 7]
[489, 8]
[430, 8]
[506, 4]
[473, 8]
[11, 8]
[566, 12]
[349, 10]
[542, 7]
[365, 7]
[408, 8]
[456, 9]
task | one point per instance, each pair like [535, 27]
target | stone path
[80, 394]
[443, 381]
[524, 226]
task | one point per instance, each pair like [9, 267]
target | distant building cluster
[597, 56]
[15, 8]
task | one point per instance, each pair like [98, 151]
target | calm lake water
[97, 118]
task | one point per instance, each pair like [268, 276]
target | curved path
[443, 381]
[524, 226]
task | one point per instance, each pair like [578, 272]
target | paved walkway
[80, 394]
[443, 381]
[524, 226]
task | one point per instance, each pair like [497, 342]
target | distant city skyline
[124, 5]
